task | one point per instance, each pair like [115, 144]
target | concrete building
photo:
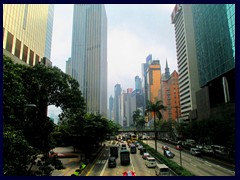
[27, 32]
[182, 19]
[170, 95]
[89, 55]
[69, 67]
[110, 117]
[154, 81]
[117, 93]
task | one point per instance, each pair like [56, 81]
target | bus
[133, 149]
[133, 138]
[125, 157]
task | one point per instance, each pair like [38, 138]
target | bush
[180, 171]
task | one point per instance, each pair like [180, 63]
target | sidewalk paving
[70, 164]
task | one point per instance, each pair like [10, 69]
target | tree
[155, 108]
[42, 86]
[138, 119]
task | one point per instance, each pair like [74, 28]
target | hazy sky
[134, 32]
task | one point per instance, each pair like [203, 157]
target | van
[162, 170]
[195, 152]
[150, 162]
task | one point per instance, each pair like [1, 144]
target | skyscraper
[89, 55]
[154, 81]
[186, 58]
[117, 93]
[214, 26]
[69, 67]
[110, 107]
[27, 32]
[138, 83]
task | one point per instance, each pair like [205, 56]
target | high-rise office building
[144, 77]
[138, 83]
[89, 55]
[110, 108]
[27, 32]
[69, 67]
[186, 58]
[117, 93]
[214, 26]
[154, 81]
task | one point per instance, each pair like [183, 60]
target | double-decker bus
[125, 157]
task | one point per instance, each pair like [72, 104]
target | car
[195, 152]
[168, 154]
[112, 162]
[142, 150]
[150, 162]
[129, 173]
[164, 147]
[139, 147]
[145, 155]
[178, 147]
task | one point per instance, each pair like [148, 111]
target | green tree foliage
[156, 109]
[42, 86]
[138, 119]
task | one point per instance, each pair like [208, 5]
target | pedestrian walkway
[70, 164]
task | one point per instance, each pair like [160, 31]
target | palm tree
[155, 108]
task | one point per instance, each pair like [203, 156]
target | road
[137, 164]
[196, 165]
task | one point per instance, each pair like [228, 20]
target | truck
[125, 157]
[114, 151]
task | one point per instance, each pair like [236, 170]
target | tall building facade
[117, 93]
[69, 67]
[214, 26]
[186, 58]
[170, 95]
[110, 108]
[89, 55]
[154, 81]
[138, 83]
[27, 32]
[144, 77]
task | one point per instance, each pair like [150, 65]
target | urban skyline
[130, 40]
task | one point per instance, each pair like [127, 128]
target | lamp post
[179, 149]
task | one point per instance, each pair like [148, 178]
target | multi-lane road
[199, 166]
[196, 165]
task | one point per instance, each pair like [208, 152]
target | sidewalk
[70, 164]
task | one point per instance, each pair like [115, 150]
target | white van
[150, 162]
[162, 170]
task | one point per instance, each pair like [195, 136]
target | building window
[17, 48]
[25, 53]
[9, 42]
[31, 58]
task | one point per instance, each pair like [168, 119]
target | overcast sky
[134, 32]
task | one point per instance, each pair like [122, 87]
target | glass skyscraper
[214, 26]
[89, 55]
[27, 32]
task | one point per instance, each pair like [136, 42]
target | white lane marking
[101, 174]
[193, 164]
[132, 164]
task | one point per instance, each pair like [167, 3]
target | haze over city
[134, 32]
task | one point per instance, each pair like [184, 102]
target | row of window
[19, 49]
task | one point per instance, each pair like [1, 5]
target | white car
[150, 162]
